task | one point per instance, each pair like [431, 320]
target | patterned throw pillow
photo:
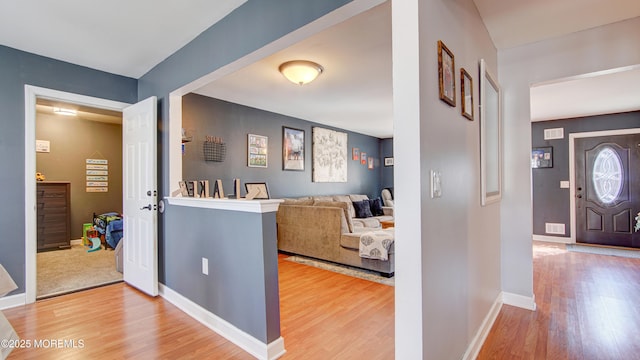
[363, 209]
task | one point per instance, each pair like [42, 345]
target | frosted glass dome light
[300, 72]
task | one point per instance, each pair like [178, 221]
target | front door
[140, 247]
[607, 190]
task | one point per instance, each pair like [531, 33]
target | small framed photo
[542, 157]
[446, 74]
[355, 154]
[292, 149]
[466, 94]
[257, 151]
[257, 190]
[371, 163]
[388, 161]
[363, 158]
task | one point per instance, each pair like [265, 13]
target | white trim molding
[481, 335]
[12, 301]
[253, 346]
[524, 302]
[31, 93]
[553, 239]
[254, 206]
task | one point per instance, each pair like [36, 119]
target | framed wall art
[388, 161]
[446, 74]
[466, 94]
[257, 150]
[329, 155]
[292, 149]
[542, 157]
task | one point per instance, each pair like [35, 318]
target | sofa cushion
[363, 210]
[346, 226]
[376, 207]
[299, 201]
[367, 223]
[356, 197]
[323, 198]
[346, 199]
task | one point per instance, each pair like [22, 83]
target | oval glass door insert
[607, 175]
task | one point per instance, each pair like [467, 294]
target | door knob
[148, 207]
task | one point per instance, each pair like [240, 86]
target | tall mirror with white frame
[490, 137]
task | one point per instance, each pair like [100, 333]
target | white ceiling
[123, 37]
[354, 92]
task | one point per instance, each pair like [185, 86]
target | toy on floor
[95, 244]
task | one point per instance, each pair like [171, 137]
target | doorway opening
[46, 96]
[78, 196]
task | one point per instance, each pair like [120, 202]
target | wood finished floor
[324, 316]
[587, 308]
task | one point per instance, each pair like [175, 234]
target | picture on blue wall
[292, 149]
[329, 155]
[542, 157]
[257, 151]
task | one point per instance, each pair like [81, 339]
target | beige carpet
[343, 269]
[64, 271]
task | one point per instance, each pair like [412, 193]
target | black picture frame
[263, 190]
[542, 157]
[388, 161]
[293, 146]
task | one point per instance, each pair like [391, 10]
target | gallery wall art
[329, 155]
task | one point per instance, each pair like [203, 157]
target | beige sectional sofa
[326, 228]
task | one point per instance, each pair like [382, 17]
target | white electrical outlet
[205, 266]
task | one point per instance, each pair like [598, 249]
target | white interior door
[140, 247]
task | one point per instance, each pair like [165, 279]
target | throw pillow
[363, 210]
[376, 207]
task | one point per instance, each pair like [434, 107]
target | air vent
[552, 134]
[552, 228]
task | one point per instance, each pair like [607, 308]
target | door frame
[572, 168]
[30, 226]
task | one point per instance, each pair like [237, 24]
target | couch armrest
[309, 230]
[387, 210]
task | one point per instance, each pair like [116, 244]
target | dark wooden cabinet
[54, 215]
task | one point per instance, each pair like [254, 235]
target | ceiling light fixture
[300, 71]
[65, 112]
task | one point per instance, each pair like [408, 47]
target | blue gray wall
[386, 150]
[551, 204]
[207, 116]
[18, 68]
[243, 266]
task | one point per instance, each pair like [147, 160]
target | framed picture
[355, 154]
[388, 161]
[446, 74]
[466, 94]
[292, 149]
[363, 158]
[257, 190]
[542, 157]
[371, 162]
[330, 154]
[257, 151]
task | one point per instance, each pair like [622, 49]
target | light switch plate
[205, 266]
[436, 184]
[564, 184]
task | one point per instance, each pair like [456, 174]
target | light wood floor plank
[587, 309]
[324, 316]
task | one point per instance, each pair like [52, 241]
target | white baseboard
[12, 301]
[554, 239]
[481, 335]
[520, 301]
[245, 341]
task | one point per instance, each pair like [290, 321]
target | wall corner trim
[243, 340]
[13, 301]
[524, 302]
[481, 335]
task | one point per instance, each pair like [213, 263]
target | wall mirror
[490, 137]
